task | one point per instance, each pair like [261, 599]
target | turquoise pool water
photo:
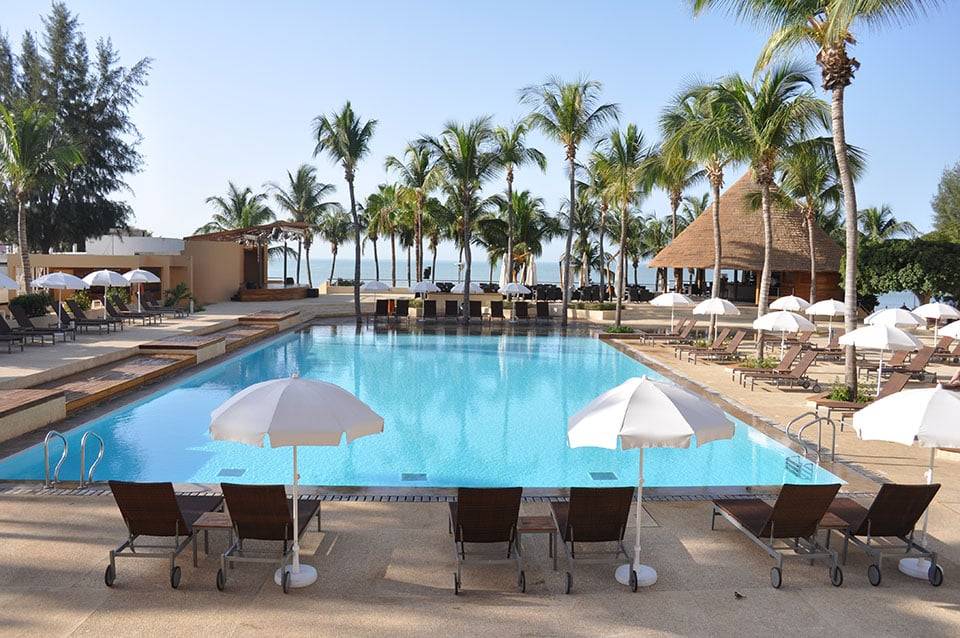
[459, 410]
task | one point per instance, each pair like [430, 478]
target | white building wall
[113, 245]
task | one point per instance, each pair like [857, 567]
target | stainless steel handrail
[833, 442]
[813, 416]
[96, 462]
[46, 458]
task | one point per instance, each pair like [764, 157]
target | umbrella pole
[645, 574]
[879, 374]
[929, 476]
[920, 567]
[298, 575]
[671, 318]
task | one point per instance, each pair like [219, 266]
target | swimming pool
[459, 410]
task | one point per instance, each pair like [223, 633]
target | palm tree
[346, 140]
[584, 224]
[417, 173]
[513, 152]
[628, 170]
[772, 116]
[240, 208]
[303, 199]
[653, 238]
[827, 26]
[334, 227]
[596, 190]
[384, 214]
[692, 207]
[438, 219]
[675, 174]
[33, 156]
[569, 113]
[466, 155]
[879, 224]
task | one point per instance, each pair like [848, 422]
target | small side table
[209, 521]
[539, 525]
[831, 522]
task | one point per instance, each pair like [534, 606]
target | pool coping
[857, 482]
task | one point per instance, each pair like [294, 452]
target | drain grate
[413, 476]
[603, 476]
[231, 471]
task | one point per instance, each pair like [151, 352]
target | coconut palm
[417, 173]
[240, 208]
[828, 27]
[438, 219]
[675, 174]
[466, 155]
[33, 157]
[304, 200]
[655, 235]
[570, 114]
[584, 224]
[596, 190]
[691, 208]
[880, 224]
[514, 153]
[335, 228]
[384, 219]
[345, 138]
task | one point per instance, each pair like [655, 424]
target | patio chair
[786, 530]
[521, 311]
[82, 319]
[730, 351]
[429, 310]
[543, 311]
[486, 516]
[795, 376]
[476, 310]
[917, 367]
[593, 515]
[891, 517]
[946, 354]
[153, 305]
[155, 511]
[113, 311]
[675, 331]
[451, 310]
[381, 310]
[896, 382]
[27, 324]
[263, 513]
[785, 363]
[402, 310]
[717, 344]
[895, 360]
[25, 333]
[152, 315]
[832, 349]
[496, 310]
[12, 339]
[681, 336]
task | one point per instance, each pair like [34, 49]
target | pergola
[257, 239]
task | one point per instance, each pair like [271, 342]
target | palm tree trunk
[489, 259]
[23, 246]
[356, 244]
[409, 283]
[811, 220]
[393, 260]
[333, 263]
[765, 272]
[716, 182]
[572, 156]
[376, 260]
[433, 267]
[636, 278]
[675, 198]
[509, 255]
[299, 255]
[850, 206]
[465, 311]
[284, 263]
[418, 233]
[621, 262]
[603, 260]
[306, 249]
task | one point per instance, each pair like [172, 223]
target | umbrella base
[646, 575]
[306, 576]
[915, 567]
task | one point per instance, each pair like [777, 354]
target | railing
[806, 420]
[96, 461]
[47, 482]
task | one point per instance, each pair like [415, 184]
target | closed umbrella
[791, 303]
[671, 300]
[139, 277]
[60, 281]
[294, 412]
[936, 311]
[715, 306]
[827, 308]
[897, 317]
[641, 413]
[926, 416]
[106, 278]
[783, 321]
[883, 338]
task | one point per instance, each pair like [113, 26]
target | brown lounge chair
[381, 310]
[833, 349]
[81, 319]
[152, 305]
[795, 376]
[429, 310]
[785, 363]
[543, 311]
[401, 311]
[25, 322]
[716, 345]
[788, 529]
[896, 382]
[521, 311]
[917, 367]
[23, 333]
[892, 516]
[674, 331]
[154, 315]
[945, 353]
[485, 516]
[476, 310]
[127, 315]
[681, 336]
[593, 515]
[263, 513]
[154, 510]
[496, 310]
[725, 353]
[451, 310]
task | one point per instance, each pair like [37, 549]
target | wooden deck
[268, 316]
[243, 335]
[274, 294]
[187, 343]
[12, 401]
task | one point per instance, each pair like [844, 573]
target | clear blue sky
[235, 84]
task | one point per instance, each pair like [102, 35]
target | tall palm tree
[675, 173]
[335, 226]
[384, 212]
[772, 116]
[514, 152]
[691, 208]
[584, 225]
[827, 26]
[33, 156]
[466, 154]
[629, 171]
[345, 138]
[304, 201]
[437, 221]
[655, 235]
[880, 224]
[596, 189]
[417, 173]
[570, 114]
[240, 208]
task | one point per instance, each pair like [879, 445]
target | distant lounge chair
[152, 315]
[263, 513]
[402, 310]
[717, 344]
[429, 310]
[833, 348]
[593, 515]
[681, 336]
[894, 514]
[381, 310]
[25, 333]
[945, 353]
[521, 311]
[917, 367]
[671, 332]
[154, 510]
[26, 323]
[723, 353]
[127, 316]
[11, 339]
[151, 304]
[82, 319]
[896, 359]
[896, 382]
[496, 310]
[795, 376]
[788, 529]
[476, 310]
[785, 363]
[486, 516]
[543, 311]
[451, 310]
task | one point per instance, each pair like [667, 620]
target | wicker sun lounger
[785, 363]
[788, 528]
[795, 376]
[682, 336]
[263, 513]
[917, 366]
[891, 517]
[154, 315]
[476, 309]
[451, 310]
[593, 515]
[521, 311]
[151, 304]
[496, 310]
[27, 324]
[716, 345]
[401, 311]
[381, 310]
[154, 511]
[113, 311]
[543, 311]
[486, 516]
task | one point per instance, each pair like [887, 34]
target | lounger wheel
[817, 388]
[776, 577]
[836, 576]
[874, 575]
[221, 580]
[935, 575]
[804, 384]
[286, 582]
[567, 583]
[110, 576]
[175, 576]
[456, 585]
[633, 580]
[522, 582]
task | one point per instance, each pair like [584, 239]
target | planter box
[625, 336]
[592, 315]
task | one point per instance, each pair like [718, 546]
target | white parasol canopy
[936, 311]
[791, 303]
[896, 317]
[827, 308]
[716, 306]
[106, 278]
[641, 413]
[374, 286]
[60, 281]
[783, 321]
[424, 287]
[474, 287]
[881, 337]
[139, 276]
[951, 330]
[671, 300]
[294, 412]
[513, 288]
[8, 283]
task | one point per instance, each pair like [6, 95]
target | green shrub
[118, 296]
[840, 392]
[82, 297]
[35, 304]
[765, 363]
[618, 330]
[175, 295]
[416, 303]
[593, 305]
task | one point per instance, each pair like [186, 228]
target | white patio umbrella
[827, 308]
[783, 321]
[8, 283]
[671, 300]
[641, 413]
[139, 277]
[374, 287]
[897, 317]
[791, 303]
[951, 330]
[60, 281]
[715, 306]
[936, 311]
[927, 416]
[294, 412]
[883, 338]
[474, 287]
[513, 288]
[106, 278]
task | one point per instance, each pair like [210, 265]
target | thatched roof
[741, 238]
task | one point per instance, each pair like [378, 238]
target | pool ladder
[807, 420]
[85, 478]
